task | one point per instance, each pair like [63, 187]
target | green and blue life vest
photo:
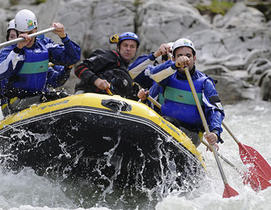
[179, 102]
[32, 76]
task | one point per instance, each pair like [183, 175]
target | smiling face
[188, 52]
[128, 49]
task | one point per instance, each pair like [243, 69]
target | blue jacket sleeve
[58, 75]
[162, 72]
[140, 60]
[213, 108]
[137, 68]
[67, 54]
[10, 62]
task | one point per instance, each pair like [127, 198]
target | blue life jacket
[179, 102]
[32, 76]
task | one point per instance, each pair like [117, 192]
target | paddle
[158, 105]
[246, 179]
[228, 191]
[256, 181]
[257, 165]
[14, 41]
[108, 91]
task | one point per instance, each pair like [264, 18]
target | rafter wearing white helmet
[183, 43]
[12, 33]
[11, 25]
[25, 21]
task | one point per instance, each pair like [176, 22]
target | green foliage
[216, 7]
[39, 1]
[13, 2]
[137, 3]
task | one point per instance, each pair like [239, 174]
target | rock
[241, 16]
[164, 21]
[3, 25]
[257, 53]
[265, 85]
[257, 69]
[231, 89]
[215, 70]
[231, 48]
[4, 4]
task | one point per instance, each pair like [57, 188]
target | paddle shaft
[260, 164]
[108, 91]
[152, 100]
[205, 125]
[14, 41]
[249, 156]
[229, 131]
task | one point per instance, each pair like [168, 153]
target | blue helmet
[128, 36]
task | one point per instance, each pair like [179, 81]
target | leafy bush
[13, 2]
[39, 1]
[216, 7]
[137, 3]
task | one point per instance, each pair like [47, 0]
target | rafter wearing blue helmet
[106, 69]
[128, 36]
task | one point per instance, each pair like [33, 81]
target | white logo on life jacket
[37, 50]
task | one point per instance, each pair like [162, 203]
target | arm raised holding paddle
[24, 68]
[259, 169]
[179, 106]
[184, 101]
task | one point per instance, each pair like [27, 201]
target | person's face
[32, 41]
[188, 52]
[128, 49]
[12, 34]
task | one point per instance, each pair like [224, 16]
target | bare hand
[102, 84]
[26, 41]
[164, 49]
[182, 61]
[59, 29]
[142, 94]
[211, 138]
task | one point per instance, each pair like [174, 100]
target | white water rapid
[249, 121]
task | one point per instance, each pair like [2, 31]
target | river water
[249, 121]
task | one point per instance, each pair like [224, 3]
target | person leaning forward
[106, 69]
[179, 106]
[24, 66]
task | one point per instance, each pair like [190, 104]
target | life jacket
[115, 73]
[31, 78]
[179, 102]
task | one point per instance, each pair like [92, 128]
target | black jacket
[106, 64]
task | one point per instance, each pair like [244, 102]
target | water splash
[250, 122]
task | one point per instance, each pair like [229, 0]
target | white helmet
[25, 20]
[11, 24]
[183, 43]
